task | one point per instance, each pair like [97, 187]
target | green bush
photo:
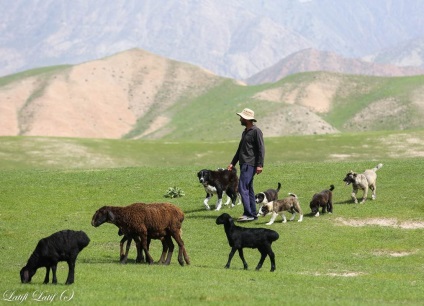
[174, 192]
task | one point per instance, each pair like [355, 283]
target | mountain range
[238, 39]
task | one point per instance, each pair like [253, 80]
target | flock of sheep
[139, 222]
[142, 222]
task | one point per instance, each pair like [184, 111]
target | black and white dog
[267, 196]
[218, 182]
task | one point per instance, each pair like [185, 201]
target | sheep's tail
[279, 186]
[331, 187]
[377, 167]
[273, 236]
[292, 195]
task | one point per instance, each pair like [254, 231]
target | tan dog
[278, 207]
[363, 181]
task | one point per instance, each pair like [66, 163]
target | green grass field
[321, 261]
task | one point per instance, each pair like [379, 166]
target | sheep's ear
[111, 216]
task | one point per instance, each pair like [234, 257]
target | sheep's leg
[54, 267]
[124, 256]
[240, 251]
[176, 234]
[140, 257]
[46, 278]
[230, 257]
[71, 273]
[266, 250]
[272, 258]
[143, 244]
[264, 253]
[167, 241]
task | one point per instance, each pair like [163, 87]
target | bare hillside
[100, 99]
[136, 94]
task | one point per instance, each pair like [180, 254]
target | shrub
[174, 192]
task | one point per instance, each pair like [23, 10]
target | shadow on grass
[344, 202]
[113, 260]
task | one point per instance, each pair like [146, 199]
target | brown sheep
[155, 221]
[123, 256]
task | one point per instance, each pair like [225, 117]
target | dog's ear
[354, 174]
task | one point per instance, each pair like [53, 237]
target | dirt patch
[377, 114]
[337, 274]
[385, 222]
[294, 120]
[406, 145]
[341, 156]
[392, 253]
[316, 96]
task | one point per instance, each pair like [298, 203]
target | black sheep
[242, 237]
[60, 246]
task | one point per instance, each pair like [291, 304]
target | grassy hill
[138, 95]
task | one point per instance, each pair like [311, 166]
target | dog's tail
[292, 195]
[331, 187]
[377, 167]
[279, 186]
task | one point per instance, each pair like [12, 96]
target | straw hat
[247, 114]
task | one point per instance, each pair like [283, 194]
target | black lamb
[61, 246]
[242, 237]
